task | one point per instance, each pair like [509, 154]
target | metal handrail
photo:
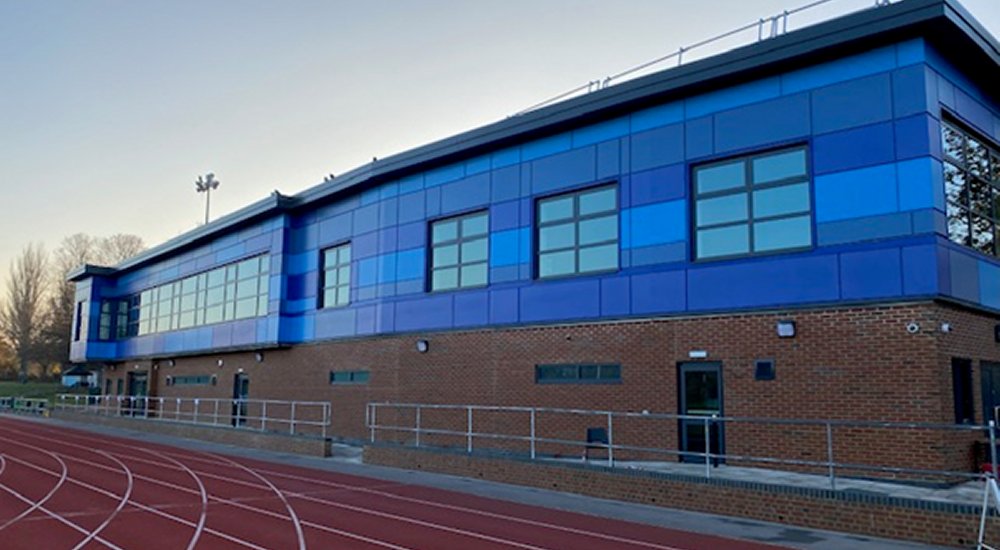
[775, 25]
[707, 422]
[294, 415]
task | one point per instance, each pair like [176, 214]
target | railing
[831, 448]
[265, 415]
[763, 29]
[30, 405]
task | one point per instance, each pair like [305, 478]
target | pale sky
[110, 109]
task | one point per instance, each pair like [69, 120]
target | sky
[111, 109]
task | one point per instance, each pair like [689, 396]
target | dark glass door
[991, 389]
[700, 386]
[138, 390]
[241, 391]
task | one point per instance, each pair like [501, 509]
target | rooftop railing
[310, 418]
[764, 28]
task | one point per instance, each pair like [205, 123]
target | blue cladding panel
[857, 193]
[364, 246]
[920, 270]
[410, 264]
[387, 239]
[411, 184]
[412, 235]
[509, 247]
[505, 215]
[855, 103]
[608, 159]
[367, 271]
[989, 284]
[917, 181]
[735, 96]
[507, 157]
[657, 147]
[366, 219]
[871, 274]
[388, 212]
[472, 308]
[468, 193]
[545, 147]
[444, 175]
[504, 306]
[784, 281]
[364, 320]
[964, 275]
[386, 268]
[661, 115]
[762, 124]
[412, 207]
[615, 296]
[332, 323]
[657, 223]
[848, 68]
[855, 148]
[477, 165]
[910, 91]
[910, 52]
[699, 138]
[658, 254]
[603, 131]
[301, 263]
[562, 170]
[973, 112]
[917, 136]
[576, 299]
[433, 312]
[388, 190]
[506, 184]
[661, 184]
[659, 292]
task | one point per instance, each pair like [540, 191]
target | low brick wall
[271, 441]
[936, 523]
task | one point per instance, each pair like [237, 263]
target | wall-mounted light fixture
[170, 362]
[785, 328]
[423, 346]
[259, 357]
[239, 369]
[135, 367]
[697, 354]
[220, 362]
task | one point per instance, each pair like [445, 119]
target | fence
[916, 452]
[30, 405]
[294, 417]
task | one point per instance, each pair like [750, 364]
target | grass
[46, 390]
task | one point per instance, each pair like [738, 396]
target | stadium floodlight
[205, 184]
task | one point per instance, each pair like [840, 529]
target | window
[104, 327]
[961, 378]
[194, 380]
[753, 205]
[78, 322]
[578, 233]
[335, 286]
[120, 386]
[763, 369]
[350, 377]
[972, 188]
[578, 374]
[460, 252]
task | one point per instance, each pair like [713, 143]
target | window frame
[962, 391]
[578, 379]
[457, 241]
[576, 219]
[321, 293]
[747, 189]
[990, 181]
[354, 376]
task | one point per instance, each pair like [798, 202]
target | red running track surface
[68, 489]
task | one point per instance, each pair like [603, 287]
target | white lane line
[233, 503]
[3, 464]
[291, 511]
[202, 493]
[151, 509]
[40, 503]
[121, 504]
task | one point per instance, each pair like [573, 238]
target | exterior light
[220, 362]
[423, 346]
[786, 329]
[259, 357]
[205, 185]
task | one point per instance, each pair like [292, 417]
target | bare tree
[21, 314]
[74, 251]
[117, 248]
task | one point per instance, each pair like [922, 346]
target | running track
[71, 489]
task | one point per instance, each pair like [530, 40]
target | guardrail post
[291, 428]
[263, 416]
[532, 434]
[829, 456]
[326, 417]
[194, 417]
[708, 448]
[993, 447]
[215, 415]
[177, 411]
[373, 420]
[418, 425]
[468, 431]
[611, 442]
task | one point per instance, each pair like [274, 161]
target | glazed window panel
[336, 281]
[459, 256]
[972, 188]
[755, 204]
[577, 233]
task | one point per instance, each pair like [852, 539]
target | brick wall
[855, 363]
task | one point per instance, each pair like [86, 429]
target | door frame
[130, 380]
[239, 414]
[717, 430]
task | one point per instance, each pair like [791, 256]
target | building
[804, 227]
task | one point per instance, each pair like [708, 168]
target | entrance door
[991, 389]
[241, 391]
[138, 390]
[700, 386]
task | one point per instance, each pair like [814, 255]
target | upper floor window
[336, 281]
[460, 252]
[578, 232]
[972, 188]
[752, 205]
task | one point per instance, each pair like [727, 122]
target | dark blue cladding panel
[910, 94]
[657, 254]
[762, 124]
[412, 235]
[917, 136]
[603, 131]
[412, 207]
[735, 96]
[989, 284]
[472, 308]
[505, 215]
[424, 313]
[658, 185]
[570, 299]
[504, 306]
[615, 296]
[661, 115]
[840, 70]
[331, 323]
[664, 292]
[776, 282]
[657, 147]
[855, 148]
[964, 275]
[609, 159]
[563, 170]
[871, 274]
[546, 146]
[388, 212]
[506, 184]
[973, 112]
[920, 270]
[469, 193]
[855, 103]
[366, 219]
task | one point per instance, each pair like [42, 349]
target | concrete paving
[347, 460]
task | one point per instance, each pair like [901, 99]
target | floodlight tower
[205, 185]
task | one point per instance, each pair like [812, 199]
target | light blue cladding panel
[856, 193]
[656, 223]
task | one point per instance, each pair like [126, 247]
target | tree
[73, 252]
[117, 248]
[21, 315]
